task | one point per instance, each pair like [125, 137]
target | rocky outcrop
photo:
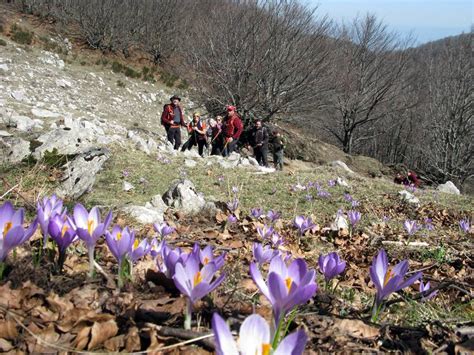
[13, 149]
[449, 188]
[80, 173]
[182, 195]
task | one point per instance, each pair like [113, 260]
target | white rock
[4, 68]
[51, 59]
[339, 223]
[341, 182]
[408, 197]
[63, 83]
[342, 165]
[18, 95]
[127, 186]
[253, 161]
[449, 188]
[13, 150]
[191, 153]
[189, 163]
[144, 215]
[43, 113]
[5, 134]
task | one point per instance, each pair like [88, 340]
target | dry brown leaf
[59, 304]
[82, 338]
[236, 244]
[10, 298]
[221, 217]
[356, 329]
[115, 343]
[101, 332]
[5, 345]
[248, 285]
[132, 340]
[47, 335]
[8, 329]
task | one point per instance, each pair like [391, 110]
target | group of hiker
[220, 135]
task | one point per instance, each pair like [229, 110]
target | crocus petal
[410, 280]
[292, 344]
[258, 279]
[253, 333]
[80, 216]
[13, 238]
[225, 343]
[181, 280]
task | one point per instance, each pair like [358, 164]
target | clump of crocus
[331, 266]
[12, 233]
[263, 254]
[464, 225]
[424, 288]
[156, 247]
[206, 256]
[302, 224]
[46, 209]
[255, 338]
[286, 287]
[256, 213]
[265, 232]
[273, 216]
[354, 218]
[120, 243]
[388, 280]
[63, 231]
[195, 282]
[90, 229]
[169, 257]
[411, 227]
[163, 229]
[233, 205]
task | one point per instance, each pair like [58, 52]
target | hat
[230, 108]
[175, 97]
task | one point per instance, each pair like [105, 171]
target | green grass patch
[21, 35]
[3, 42]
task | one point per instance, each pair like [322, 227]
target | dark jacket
[277, 143]
[200, 126]
[168, 115]
[260, 137]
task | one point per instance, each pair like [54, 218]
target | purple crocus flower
[47, 208]
[231, 219]
[411, 227]
[424, 288]
[233, 205]
[355, 203]
[63, 231]
[348, 197]
[388, 280]
[235, 190]
[331, 183]
[156, 247]
[206, 256]
[429, 224]
[331, 265]
[139, 249]
[256, 212]
[120, 242]
[163, 229]
[276, 240]
[263, 254]
[308, 197]
[265, 232]
[195, 282]
[324, 194]
[354, 217]
[254, 338]
[303, 224]
[169, 258]
[12, 233]
[273, 216]
[286, 286]
[90, 229]
[464, 225]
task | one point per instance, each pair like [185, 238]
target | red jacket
[233, 127]
[168, 115]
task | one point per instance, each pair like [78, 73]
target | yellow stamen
[388, 277]
[119, 236]
[136, 243]
[64, 230]
[197, 278]
[266, 349]
[6, 228]
[288, 281]
[90, 226]
[206, 260]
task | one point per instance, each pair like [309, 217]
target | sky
[427, 20]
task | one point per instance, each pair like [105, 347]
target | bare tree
[266, 57]
[367, 72]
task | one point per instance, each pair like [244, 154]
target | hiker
[217, 137]
[277, 146]
[260, 143]
[197, 134]
[172, 119]
[232, 130]
[413, 179]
